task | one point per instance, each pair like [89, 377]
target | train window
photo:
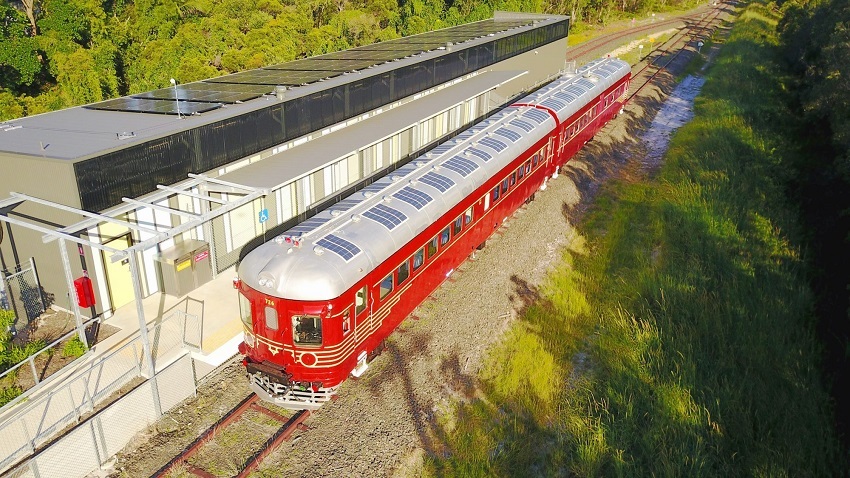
[487, 201]
[307, 330]
[495, 193]
[527, 167]
[467, 216]
[513, 179]
[346, 323]
[458, 225]
[521, 172]
[418, 258]
[386, 286]
[444, 236]
[245, 311]
[360, 301]
[271, 318]
[432, 248]
[403, 272]
[534, 160]
[505, 186]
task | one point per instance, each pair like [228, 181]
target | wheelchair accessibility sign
[264, 215]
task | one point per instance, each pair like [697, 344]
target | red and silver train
[317, 301]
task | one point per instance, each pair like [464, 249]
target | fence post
[34, 371]
[66, 263]
[37, 283]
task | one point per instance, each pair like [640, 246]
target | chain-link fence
[21, 293]
[69, 397]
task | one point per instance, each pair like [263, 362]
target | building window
[307, 330]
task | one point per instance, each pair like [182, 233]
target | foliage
[7, 394]
[73, 52]
[74, 348]
[690, 348]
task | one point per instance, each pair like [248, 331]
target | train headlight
[266, 280]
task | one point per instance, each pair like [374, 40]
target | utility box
[184, 267]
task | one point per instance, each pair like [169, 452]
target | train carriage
[319, 299]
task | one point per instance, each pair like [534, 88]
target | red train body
[297, 352]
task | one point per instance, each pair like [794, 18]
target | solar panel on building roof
[203, 94]
[364, 55]
[438, 181]
[339, 246]
[536, 115]
[275, 77]
[523, 125]
[409, 49]
[513, 136]
[144, 105]
[493, 144]
[414, 197]
[309, 225]
[460, 165]
[316, 64]
[386, 216]
[484, 155]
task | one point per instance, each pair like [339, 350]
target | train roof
[324, 256]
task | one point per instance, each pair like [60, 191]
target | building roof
[79, 133]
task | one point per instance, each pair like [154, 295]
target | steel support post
[75, 307]
[143, 330]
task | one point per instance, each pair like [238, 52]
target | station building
[307, 133]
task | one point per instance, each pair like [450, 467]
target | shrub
[74, 348]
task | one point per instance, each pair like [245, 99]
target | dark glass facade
[136, 170]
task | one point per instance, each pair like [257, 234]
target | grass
[679, 341]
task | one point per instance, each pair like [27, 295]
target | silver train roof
[329, 253]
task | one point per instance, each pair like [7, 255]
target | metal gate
[21, 293]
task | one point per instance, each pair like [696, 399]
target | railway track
[251, 403]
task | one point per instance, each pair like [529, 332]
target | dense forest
[60, 53]
[815, 36]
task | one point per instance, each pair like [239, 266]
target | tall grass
[682, 343]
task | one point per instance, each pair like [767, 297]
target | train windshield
[307, 330]
[245, 311]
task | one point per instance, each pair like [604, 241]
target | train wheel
[530, 199]
[376, 351]
[482, 245]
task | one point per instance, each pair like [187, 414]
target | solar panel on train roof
[438, 181]
[309, 225]
[460, 165]
[512, 136]
[493, 144]
[385, 216]
[339, 246]
[144, 105]
[536, 115]
[347, 204]
[414, 197]
[483, 155]
[565, 96]
[523, 125]
[585, 83]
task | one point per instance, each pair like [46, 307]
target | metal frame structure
[201, 183]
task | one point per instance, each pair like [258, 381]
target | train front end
[291, 349]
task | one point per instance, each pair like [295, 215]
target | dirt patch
[49, 327]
